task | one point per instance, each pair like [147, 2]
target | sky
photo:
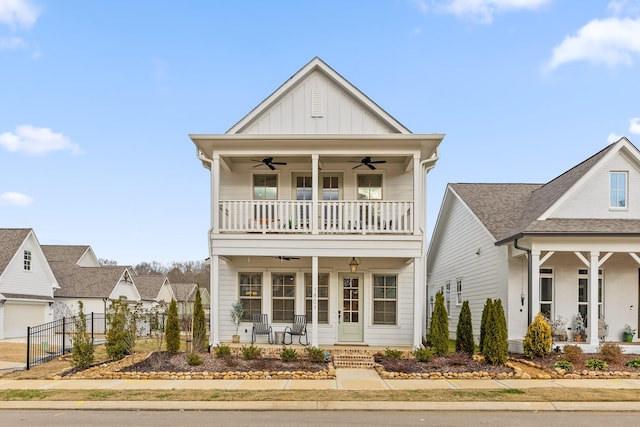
[98, 98]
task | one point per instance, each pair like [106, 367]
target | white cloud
[634, 125]
[611, 41]
[12, 43]
[32, 140]
[624, 7]
[480, 10]
[18, 13]
[15, 199]
[613, 138]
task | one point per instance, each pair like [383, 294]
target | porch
[515, 346]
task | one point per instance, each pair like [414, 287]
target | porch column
[419, 302]
[314, 301]
[592, 330]
[417, 194]
[314, 196]
[534, 292]
[214, 301]
[215, 194]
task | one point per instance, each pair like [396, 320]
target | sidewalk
[346, 379]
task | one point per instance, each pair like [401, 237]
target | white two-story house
[318, 202]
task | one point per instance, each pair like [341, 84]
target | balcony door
[350, 316]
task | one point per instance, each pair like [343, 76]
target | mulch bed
[456, 363]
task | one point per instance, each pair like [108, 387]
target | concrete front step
[353, 360]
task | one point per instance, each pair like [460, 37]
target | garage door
[17, 316]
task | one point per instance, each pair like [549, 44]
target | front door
[350, 319]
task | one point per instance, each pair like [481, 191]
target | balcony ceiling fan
[366, 161]
[268, 162]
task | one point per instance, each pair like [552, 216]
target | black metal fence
[53, 339]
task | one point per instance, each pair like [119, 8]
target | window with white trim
[27, 260]
[370, 187]
[459, 291]
[323, 297]
[447, 296]
[250, 294]
[283, 296]
[618, 189]
[385, 299]
[546, 292]
[583, 294]
[265, 187]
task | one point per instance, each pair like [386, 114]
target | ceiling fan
[268, 162]
[286, 258]
[366, 161]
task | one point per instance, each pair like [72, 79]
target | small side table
[279, 337]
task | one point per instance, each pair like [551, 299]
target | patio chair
[261, 327]
[299, 328]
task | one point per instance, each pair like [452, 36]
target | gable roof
[10, 241]
[86, 282]
[512, 210]
[184, 292]
[149, 286]
[66, 253]
[317, 64]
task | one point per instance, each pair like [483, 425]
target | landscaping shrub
[574, 354]
[172, 329]
[635, 363]
[496, 348]
[288, 354]
[564, 365]
[390, 353]
[439, 336]
[82, 343]
[610, 352]
[122, 332]
[483, 321]
[199, 324]
[315, 355]
[194, 359]
[464, 331]
[596, 364]
[423, 354]
[538, 341]
[222, 350]
[250, 352]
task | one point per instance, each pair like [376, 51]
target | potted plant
[558, 328]
[627, 333]
[237, 310]
[578, 328]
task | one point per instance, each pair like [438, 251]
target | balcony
[334, 217]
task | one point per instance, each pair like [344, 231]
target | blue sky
[98, 98]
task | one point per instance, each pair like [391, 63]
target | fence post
[28, 347]
[92, 326]
[64, 331]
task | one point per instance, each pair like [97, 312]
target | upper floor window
[265, 187]
[27, 260]
[370, 187]
[618, 190]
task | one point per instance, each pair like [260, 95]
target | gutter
[529, 274]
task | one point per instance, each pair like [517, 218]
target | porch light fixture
[353, 265]
[522, 298]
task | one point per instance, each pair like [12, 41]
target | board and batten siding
[592, 199]
[37, 281]
[336, 112]
[484, 274]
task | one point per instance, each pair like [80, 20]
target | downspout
[529, 284]
[426, 166]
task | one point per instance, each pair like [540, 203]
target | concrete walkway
[346, 379]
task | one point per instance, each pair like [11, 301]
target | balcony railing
[338, 216]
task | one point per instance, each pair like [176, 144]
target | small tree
[82, 341]
[464, 331]
[199, 324]
[172, 329]
[495, 347]
[439, 336]
[156, 316]
[483, 321]
[537, 341]
[121, 336]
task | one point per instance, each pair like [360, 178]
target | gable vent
[316, 104]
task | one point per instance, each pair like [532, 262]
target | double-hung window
[283, 296]
[250, 294]
[323, 297]
[447, 296]
[385, 299]
[583, 294]
[459, 291]
[546, 292]
[618, 190]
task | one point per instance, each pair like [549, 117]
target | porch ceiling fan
[366, 161]
[286, 258]
[268, 162]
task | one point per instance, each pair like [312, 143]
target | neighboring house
[26, 283]
[154, 289]
[570, 245]
[315, 178]
[81, 278]
[185, 296]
